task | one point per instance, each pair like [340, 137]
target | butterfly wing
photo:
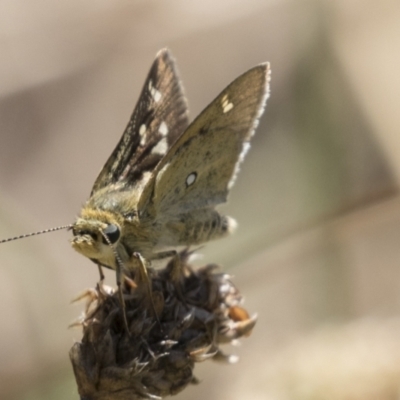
[159, 118]
[200, 167]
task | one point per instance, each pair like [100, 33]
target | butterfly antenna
[58, 228]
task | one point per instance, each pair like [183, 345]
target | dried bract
[176, 317]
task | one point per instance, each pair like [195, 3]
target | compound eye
[112, 232]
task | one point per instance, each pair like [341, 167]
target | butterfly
[161, 184]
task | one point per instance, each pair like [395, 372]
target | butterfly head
[94, 234]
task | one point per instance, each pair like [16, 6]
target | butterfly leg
[145, 279]
[101, 281]
[101, 273]
[119, 276]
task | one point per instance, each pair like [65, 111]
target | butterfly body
[160, 186]
[141, 233]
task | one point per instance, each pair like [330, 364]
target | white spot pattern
[191, 178]
[226, 104]
[161, 147]
[143, 134]
[163, 129]
[142, 129]
[156, 94]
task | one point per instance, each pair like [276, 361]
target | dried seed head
[196, 311]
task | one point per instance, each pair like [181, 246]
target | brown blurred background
[317, 252]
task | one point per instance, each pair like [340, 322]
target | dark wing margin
[201, 166]
[159, 118]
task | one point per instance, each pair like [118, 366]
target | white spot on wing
[163, 129]
[142, 133]
[156, 94]
[191, 178]
[226, 104]
[161, 147]
[145, 178]
[228, 108]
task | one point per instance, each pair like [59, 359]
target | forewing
[159, 118]
[201, 166]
